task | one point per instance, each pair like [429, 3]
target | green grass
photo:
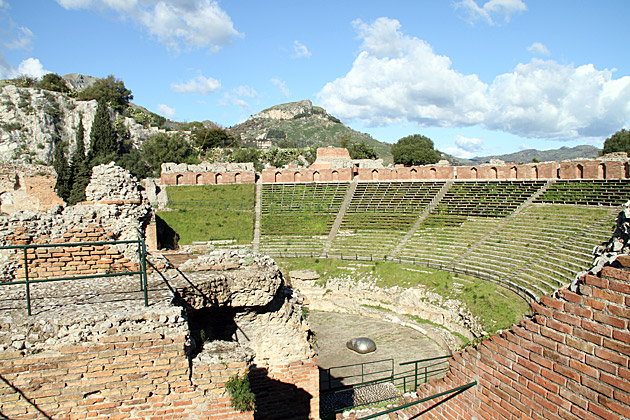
[296, 223]
[204, 212]
[495, 310]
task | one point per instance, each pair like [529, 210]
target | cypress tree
[60, 163]
[79, 168]
[103, 141]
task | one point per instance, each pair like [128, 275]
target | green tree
[110, 90]
[360, 150]
[80, 170]
[163, 148]
[103, 141]
[618, 142]
[60, 163]
[415, 150]
[54, 82]
[209, 137]
[248, 154]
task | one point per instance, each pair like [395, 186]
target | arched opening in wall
[276, 178]
[218, 178]
[494, 173]
[535, 172]
[601, 171]
[513, 172]
[238, 178]
[297, 177]
[433, 173]
[627, 170]
[316, 176]
[414, 173]
[374, 174]
[198, 179]
[579, 171]
[179, 179]
[473, 173]
[335, 176]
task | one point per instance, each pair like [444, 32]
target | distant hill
[300, 124]
[526, 156]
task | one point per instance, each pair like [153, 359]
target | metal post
[415, 377]
[28, 286]
[143, 267]
[425, 374]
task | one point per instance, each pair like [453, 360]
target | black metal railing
[359, 370]
[142, 271]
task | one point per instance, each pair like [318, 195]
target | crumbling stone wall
[27, 187]
[115, 210]
[207, 173]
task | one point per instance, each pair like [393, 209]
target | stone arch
[238, 178]
[579, 171]
[179, 179]
[413, 173]
[601, 171]
[198, 179]
[374, 174]
[276, 178]
[433, 173]
[513, 172]
[473, 173]
[535, 172]
[316, 176]
[297, 177]
[494, 173]
[335, 176]
[218, 178]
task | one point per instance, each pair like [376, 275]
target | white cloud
[31, 67]
[280, 85]
[491, 10]
[300, 50]
[469, 144]
[191, 23]
[523, 146]
[166, 110]
[538, 49]
[458, 152]
[245, 91]
[200, 84]
[396, 78]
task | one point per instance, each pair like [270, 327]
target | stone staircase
[257, 216]
[340, 215]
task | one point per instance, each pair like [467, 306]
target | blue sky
[478, 77]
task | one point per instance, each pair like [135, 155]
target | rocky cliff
[32, 119]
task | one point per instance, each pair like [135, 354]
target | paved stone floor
[333, 330]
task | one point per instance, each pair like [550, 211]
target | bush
[241, 396]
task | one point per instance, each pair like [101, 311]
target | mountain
[528, 155]
[300, 124]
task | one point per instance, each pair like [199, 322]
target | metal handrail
[142, 253]
[362, 375]
[453, 391]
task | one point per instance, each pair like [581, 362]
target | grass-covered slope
[211, 212]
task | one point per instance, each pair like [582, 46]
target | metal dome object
[361, 345]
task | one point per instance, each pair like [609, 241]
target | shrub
[241, 396]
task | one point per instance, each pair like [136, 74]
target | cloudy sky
[478, 77]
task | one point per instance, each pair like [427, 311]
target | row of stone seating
[595, 192]
[312, 197]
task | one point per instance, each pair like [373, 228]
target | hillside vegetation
[300, 124]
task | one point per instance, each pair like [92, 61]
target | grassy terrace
[380, 214]
[596, 192]
[497, 307]
[211, 212]
[485, 199]
[296, 218]
[543, 247]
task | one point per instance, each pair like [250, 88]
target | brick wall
[570, 361]
[145, 376]
[67, 260]
[208, 178]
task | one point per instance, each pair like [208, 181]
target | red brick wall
[67, 260]
[208, 178]
[145, 376]
[570, 362]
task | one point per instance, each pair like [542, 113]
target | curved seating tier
[609, 192]
[486, 198]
